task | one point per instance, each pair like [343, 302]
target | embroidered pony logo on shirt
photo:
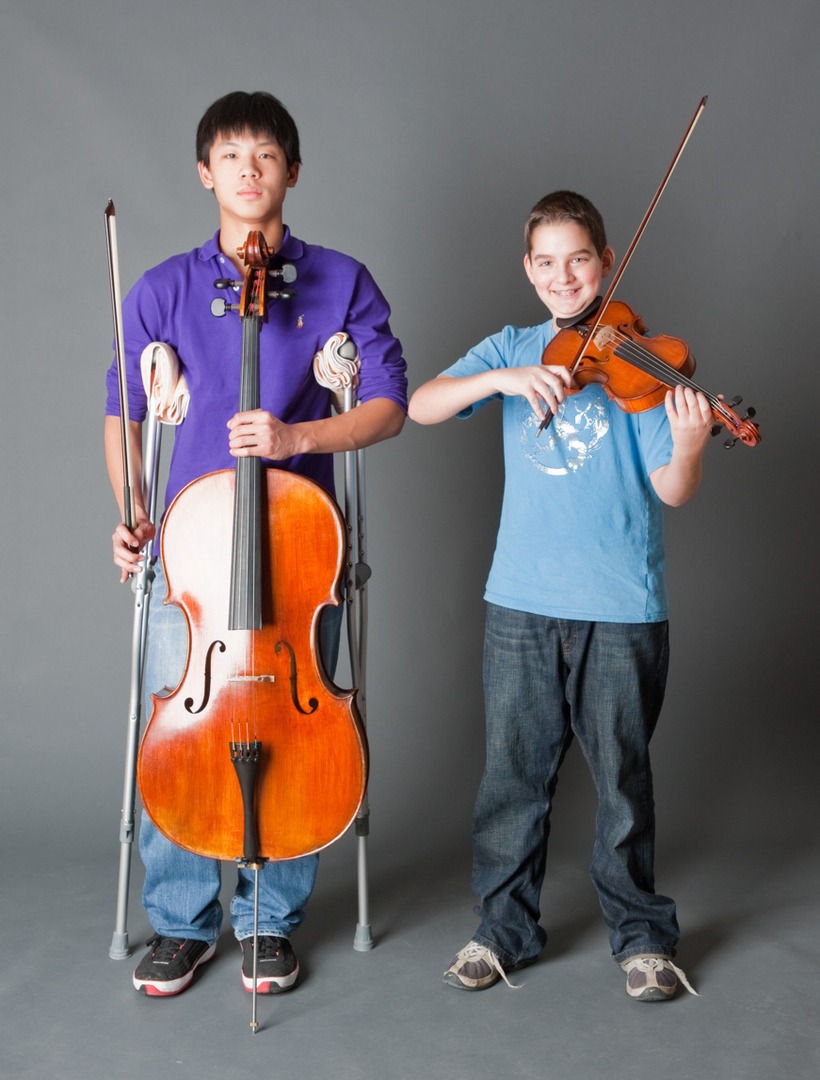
[572, 438]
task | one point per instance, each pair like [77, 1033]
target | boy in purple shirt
[248, 155]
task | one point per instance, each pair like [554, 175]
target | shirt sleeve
[655, 438]
[489, 355]
[383, 369]
[141, 325]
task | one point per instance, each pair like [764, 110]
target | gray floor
[751, 949]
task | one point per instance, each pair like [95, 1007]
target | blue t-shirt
[581, 533]
[172, 303]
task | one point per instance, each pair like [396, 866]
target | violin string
[646, 361]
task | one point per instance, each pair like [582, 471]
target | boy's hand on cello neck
[257, 433]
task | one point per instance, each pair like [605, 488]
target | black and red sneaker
[169, 965]
[276, 967]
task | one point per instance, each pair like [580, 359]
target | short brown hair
[562, 206]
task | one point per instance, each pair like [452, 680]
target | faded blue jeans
[545, 681]
[181, 890]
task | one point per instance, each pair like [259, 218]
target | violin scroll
[742, 428]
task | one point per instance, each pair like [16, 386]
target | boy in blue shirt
[248, 155]
[576, 638]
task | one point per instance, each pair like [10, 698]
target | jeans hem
[263, 931]
[639, 950]
[507, 962]
[185, 935]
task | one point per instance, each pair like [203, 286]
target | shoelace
[269, 948]
[164, 949]
[474, 951]
[658, 963]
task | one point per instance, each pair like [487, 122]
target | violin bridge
[605, 336]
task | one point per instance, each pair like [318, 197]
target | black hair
[259, 113]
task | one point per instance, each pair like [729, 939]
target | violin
[636, 370]
[609, 344]
[256, 754]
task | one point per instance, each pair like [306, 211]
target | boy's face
[565, 268]
[250, 176]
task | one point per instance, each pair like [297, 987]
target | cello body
[267, 685]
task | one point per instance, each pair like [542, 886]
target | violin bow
[616, 277]
[129, 512]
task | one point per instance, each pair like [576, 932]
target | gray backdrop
[428, 129]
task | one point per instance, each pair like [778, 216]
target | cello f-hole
[206, 680]
[294, 680]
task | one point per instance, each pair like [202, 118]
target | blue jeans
[545, 681]
[181, 890]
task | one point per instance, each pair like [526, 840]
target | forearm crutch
[141, 586]
[167, 404]
[336, 367]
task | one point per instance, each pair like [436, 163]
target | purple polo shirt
[172, 303]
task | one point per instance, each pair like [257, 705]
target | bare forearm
[678, 481]
[445, 396]
[367, 424]
[257, 433]
[127, 543]
[114, 463]
[690, 421]
[544, 386]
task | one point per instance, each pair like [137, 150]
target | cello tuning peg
[220, 306]
[227, 283]
[287, 272]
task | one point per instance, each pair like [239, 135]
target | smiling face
[250, 176]
[564, 267]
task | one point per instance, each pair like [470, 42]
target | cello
[256, 754]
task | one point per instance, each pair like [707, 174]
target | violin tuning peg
[716, 430]
[729, 444]
[751, 412]
[733, 404]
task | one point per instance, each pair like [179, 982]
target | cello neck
[246, 552]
